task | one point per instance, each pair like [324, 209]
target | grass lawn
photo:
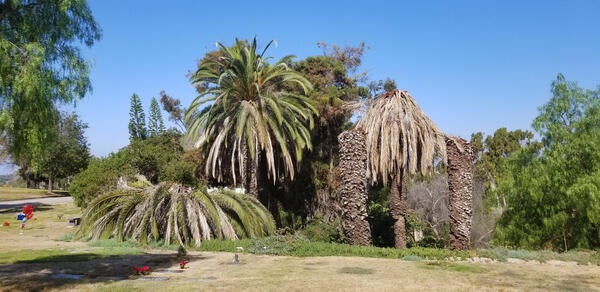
[10, 194]
[43, 259]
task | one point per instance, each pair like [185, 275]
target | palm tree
[353, 187]
[251, 117]
[174, 214]
[401, 140]
[460, 191]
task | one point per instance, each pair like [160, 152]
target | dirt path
[35, 201]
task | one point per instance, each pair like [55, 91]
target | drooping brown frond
[399, 134]
[173, 213]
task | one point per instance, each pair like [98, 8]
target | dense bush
[100, 176]
[319, 230]
[160, 158]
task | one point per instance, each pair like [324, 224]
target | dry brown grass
[210, 271]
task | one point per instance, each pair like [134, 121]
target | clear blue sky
[471, 65]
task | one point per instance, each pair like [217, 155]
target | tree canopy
[554, 193]
[250, 114]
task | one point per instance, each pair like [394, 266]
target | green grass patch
[225, 245]
[9, 194]
[294, 245]
[297, 245]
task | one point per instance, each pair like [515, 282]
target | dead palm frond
[175, 214]
[400, 135]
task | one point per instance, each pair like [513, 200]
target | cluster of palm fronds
[400, 135]
[171, 213]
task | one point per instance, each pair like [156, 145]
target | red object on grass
[182, 264]
[6, 223]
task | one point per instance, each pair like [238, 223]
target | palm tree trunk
[250, 175]
[399, 208]
[460, 187]
[353, 187]
[252, 184]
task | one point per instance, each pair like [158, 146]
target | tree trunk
[353, 187]
[250, 175]
[399, 208]
[50, 183]
[460, 188]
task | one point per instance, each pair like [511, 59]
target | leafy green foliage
[335, 86]
[380, 218]
[159, 158]
[491, 153]
[171, 213]
[70, 153]
[137, 120]
[156, 125]
[100, 176]
[40, 65]
[553, 194]
[319, 230]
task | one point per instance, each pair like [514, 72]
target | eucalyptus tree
[248, 116]
[401, 140]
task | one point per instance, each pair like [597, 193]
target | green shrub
[100, 176]
[159, 158]
[319, 230]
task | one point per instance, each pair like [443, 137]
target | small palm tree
[173, 213]
[250, 114]
[401, 140]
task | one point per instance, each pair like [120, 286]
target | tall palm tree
[401, 140]
[250, 117]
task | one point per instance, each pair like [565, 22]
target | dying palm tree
[401, 140]
[174, 214]
[460, 191]
[250, 115]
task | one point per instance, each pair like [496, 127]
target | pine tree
[156, 125]
[137, 120]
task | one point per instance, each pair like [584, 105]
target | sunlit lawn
[10, 193]
[33, 260]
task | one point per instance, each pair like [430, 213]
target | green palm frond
[246, 109]
[175, 214]
[400, 135]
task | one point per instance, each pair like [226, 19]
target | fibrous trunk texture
[353, 187]
[460, 188]
[399, 208]
[250, 176]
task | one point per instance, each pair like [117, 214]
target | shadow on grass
[70, 270]
[16, 208]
